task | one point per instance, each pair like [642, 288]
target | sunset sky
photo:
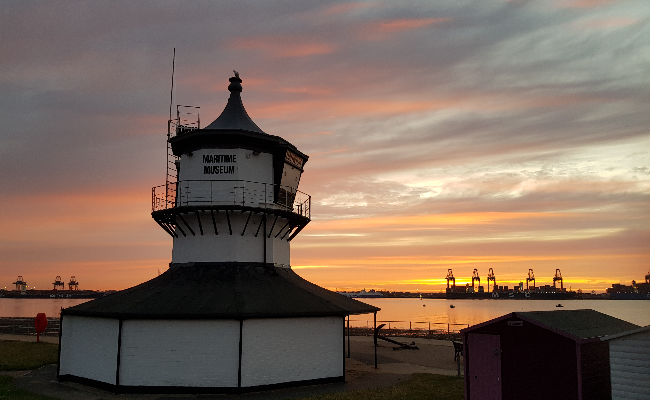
[441, 134]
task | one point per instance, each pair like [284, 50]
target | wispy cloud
[586, 3]
[284, 46]
[407, 24]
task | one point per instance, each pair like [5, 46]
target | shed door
[484, 366]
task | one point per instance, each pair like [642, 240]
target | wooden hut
[629, 364]
[540, 355]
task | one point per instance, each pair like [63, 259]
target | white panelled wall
[629, 360]
[202, 353]
[248, 165]
[291, 350]
[229, 177]
[89, 348]
[225, 247]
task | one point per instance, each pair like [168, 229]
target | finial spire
[235, 83]
[234, 116]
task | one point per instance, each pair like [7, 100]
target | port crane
[73, 284]
[450, 277]
[558, 277]
[59, 282]
[20, 283]
[475, 277]
[531, 277]
[492, 278]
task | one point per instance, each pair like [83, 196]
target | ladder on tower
[188, 118]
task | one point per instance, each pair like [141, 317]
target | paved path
[434, 356]
[29, 338]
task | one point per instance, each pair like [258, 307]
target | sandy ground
[433, 356]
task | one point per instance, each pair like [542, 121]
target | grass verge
[418, 387]
[18, 356]
[9, 392]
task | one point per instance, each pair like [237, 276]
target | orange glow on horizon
[417, 222]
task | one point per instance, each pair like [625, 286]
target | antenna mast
[171, 95]
[171, 159]
[175, 126]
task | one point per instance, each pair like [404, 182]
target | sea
[434, 314]
[437, 314]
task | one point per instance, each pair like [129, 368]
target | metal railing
[410, 326]
[230, 192]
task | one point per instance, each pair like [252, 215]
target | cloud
[344, 8]
[586, 3]
[607, 23]
[284, 46]
[508, 134]
[403, 25]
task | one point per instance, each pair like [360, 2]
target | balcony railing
[230, 192]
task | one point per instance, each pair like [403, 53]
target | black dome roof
[222, 292]
[234, 116]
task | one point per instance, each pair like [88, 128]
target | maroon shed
[540, 355]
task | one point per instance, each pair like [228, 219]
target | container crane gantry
[450, 277]
[492, 278]
[531, 277]
[475, 277]
[558, 277]
[73, 285]
[58, 282]
[20, 283]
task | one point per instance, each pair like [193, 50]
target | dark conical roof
[222, 292]
[234, 129]
[234, 116]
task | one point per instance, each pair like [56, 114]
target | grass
[18, 356]
[9, 392]
[419, 386]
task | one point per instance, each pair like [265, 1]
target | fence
[25, 326]
[411, 326]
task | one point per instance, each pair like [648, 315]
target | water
[402, 311]
[31, 307]
[471, 312]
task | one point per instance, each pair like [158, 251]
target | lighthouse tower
[236, 199]
[229, 315]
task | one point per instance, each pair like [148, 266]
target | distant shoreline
[53, 294]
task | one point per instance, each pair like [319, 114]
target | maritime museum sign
[219, 159]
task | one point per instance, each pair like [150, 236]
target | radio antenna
[171, 95]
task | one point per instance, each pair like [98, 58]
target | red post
[40, 324]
